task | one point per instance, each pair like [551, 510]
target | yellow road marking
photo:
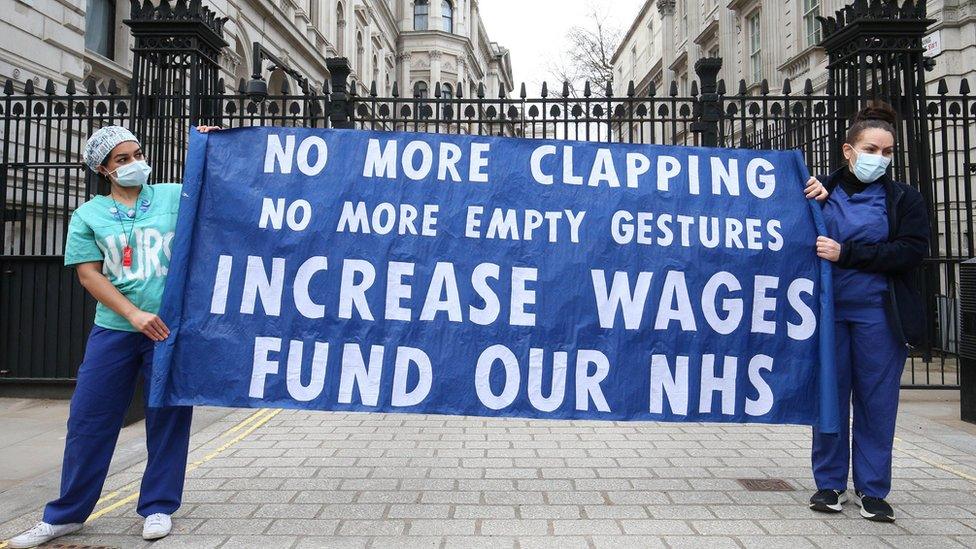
[257, 419]
[936, 464]
[261, 417]
[112, 495]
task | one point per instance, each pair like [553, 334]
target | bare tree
[589, 49]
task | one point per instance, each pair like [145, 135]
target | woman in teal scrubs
[120, 246]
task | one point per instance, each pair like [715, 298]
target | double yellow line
[933, 463]
[246, 427]
[131, 492]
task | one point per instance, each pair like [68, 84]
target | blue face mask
[869, 167]
[133, 174]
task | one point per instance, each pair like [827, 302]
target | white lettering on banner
[674, 303]
[357, 281]
[275, 212]
[405, 356]
[512, 224]
[603, 170]
[258, 283]
[355, 372]
[588, 386]
[664, 384]
[278, 157]
[418, 159]
[674, 387]
[382, 219]
[639, 228]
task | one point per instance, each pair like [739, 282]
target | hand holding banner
[396, 272]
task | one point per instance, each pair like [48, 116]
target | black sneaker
[828, 501]
[875, 509]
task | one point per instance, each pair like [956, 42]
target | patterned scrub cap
[101, 143]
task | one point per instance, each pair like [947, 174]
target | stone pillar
[406, 86]
[435, 70]
[668, 26]
[462, 74]
[434, 15]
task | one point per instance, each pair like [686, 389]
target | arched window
[421, 9]
[376, 70]
[447, 91]
[243, 69]
[420, 90]
[360, 49]
[447, 16]
[340, 29]
[277, 84]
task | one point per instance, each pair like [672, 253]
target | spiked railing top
[884, 10]
[182, 10]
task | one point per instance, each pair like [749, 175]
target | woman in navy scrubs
[878, 235]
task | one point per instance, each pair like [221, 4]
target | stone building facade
[416, 43]
[762, 39]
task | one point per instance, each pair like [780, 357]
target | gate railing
[43, 132]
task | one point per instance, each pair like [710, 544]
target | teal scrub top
[98, 231]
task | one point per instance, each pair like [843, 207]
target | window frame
[417, 15]
[108, 25]
[811, 10]
[754, 45]
[421, 93]
[447, 21]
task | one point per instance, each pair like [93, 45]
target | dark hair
[876, 114]
[103, 185]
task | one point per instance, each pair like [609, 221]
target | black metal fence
[46, 316]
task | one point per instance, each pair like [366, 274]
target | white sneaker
[157, 526]
[42, 532]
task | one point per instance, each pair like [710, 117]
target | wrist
[131, 312]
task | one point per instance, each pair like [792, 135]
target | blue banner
[451, 274]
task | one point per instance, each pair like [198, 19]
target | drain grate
[766, 485]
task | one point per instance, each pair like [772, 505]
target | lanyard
[127, 249]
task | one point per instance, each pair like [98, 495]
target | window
[447, 16]
[340, 28]
[811, 9]
[714, 51]
[421, 9]
[683, 29]
[633, 62]
[313, 13]
[447, 91]
[376, 70]
[420, 90]
[100, 27]
[360, 49]
[755, 47]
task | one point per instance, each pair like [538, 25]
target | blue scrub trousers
[106, 382]
[870, 360]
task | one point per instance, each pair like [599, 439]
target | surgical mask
[869, 167]
[133, 174]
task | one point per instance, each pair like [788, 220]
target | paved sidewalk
[273, 478]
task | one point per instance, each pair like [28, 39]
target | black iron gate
[874, 50]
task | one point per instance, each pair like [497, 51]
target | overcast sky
[535, 30]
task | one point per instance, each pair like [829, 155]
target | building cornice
[630, 32]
